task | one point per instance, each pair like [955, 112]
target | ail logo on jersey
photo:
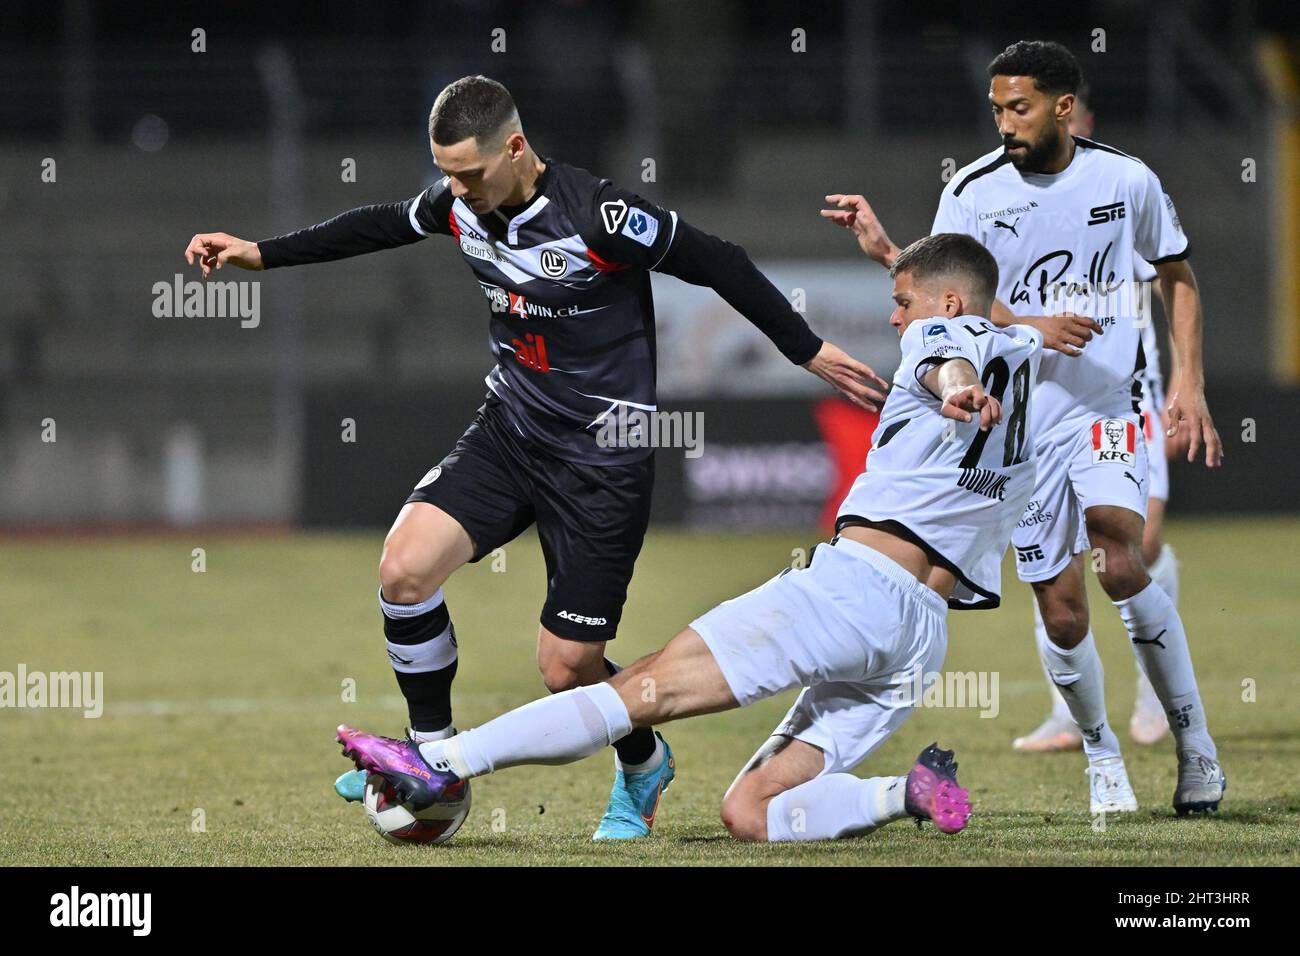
[1114, 439]
[531, 353]
[1107, 213]
[430, 476]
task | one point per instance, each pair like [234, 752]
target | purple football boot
[416, 783]
[933, 794]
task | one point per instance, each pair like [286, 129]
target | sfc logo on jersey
[1114, 439]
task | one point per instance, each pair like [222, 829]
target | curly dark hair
[1052, 66]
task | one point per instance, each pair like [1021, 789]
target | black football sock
[422, 647]
[638, 746]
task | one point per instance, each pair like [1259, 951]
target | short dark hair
[955, 255]
[1052, 66]
[1084, 94]
[471, 106]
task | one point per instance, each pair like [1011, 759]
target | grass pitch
[223, 687]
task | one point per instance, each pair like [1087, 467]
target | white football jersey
[950, 487]
[1070, 242]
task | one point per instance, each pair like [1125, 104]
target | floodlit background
[121, 141]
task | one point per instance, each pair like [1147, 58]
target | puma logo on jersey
[1154, 640]
[399, 660]
[999, 224]
[1134, 480]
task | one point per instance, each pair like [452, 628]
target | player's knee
[1124, 572]
[403, 580]
[1066, 623]
[744, 817]
[559, 676]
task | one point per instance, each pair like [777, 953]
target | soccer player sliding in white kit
[924, 528]
[1068, 220]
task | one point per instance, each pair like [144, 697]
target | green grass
[223, 689]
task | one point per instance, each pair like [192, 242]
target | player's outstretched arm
[958, 385]
[701, 259]
[848, 376]
[1187, 407]
[353, 233]
[855, 214]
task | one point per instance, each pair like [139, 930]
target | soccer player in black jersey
[563, 259]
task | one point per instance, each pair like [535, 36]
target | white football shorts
[852, 629]
[1091, 458]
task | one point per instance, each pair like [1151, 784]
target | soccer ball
[397, 823]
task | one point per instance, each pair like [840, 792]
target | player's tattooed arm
[1187, 408]
[1067, 332]
[959, 387]
[855, 214]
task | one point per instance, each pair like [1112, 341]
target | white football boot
[1108, 787]
[1148, 725]
[1053, 735]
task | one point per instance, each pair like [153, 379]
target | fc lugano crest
[1115, 440]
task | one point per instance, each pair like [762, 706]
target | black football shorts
[591, 519]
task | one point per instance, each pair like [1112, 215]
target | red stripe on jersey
[1132, 436]
[603, 265]
[453, 224]
[1096, 434]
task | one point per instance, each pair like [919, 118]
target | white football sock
[429, 736]
[835, 805]
[1060, 710]
[1078, 673]
[1156, 632]
[1164, 571]
[562, 728]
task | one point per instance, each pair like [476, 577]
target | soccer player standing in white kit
[1065, 218]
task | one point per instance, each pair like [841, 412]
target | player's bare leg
[1149, 725]
[1156, 632]
[1070, 658]
[643, 761]
[421, 551]
[783, 794]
